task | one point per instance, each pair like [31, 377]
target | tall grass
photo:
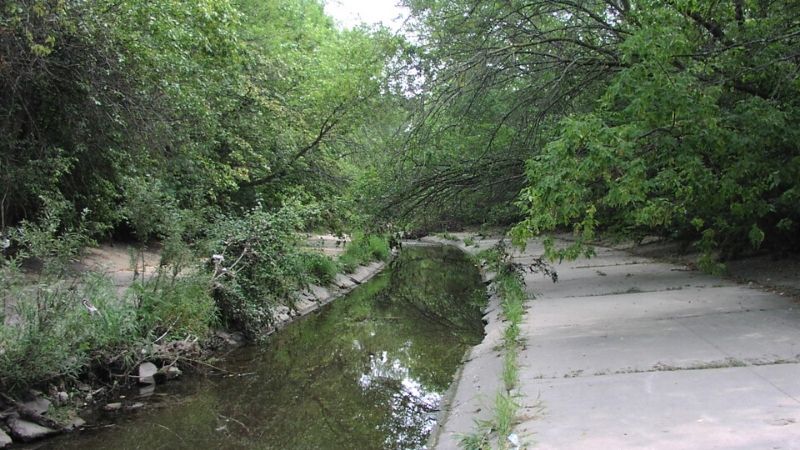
[175, 309]
[317, 268]
[61, 328]
[511, 289]
[55, 336]
[362, 249]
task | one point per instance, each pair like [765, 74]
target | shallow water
[367, 372]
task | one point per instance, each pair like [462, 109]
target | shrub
[176, 309]
[363, 249]
[256, 265]
[317, 268]
[378, 248]
[448, 236]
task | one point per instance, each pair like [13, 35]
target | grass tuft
[511, 289]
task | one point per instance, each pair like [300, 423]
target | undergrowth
[448, 236]
[63, 325]
[362, 249]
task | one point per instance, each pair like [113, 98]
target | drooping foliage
[673, 118]
[692, 137]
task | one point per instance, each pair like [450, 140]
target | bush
[318, 268]
[256, 266]
[177, 309]
[447, 235]
[363, 249]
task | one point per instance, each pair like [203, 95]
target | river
[368, 371]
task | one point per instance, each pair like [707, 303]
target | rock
[225, 336]
[147, 371]
[169, 373]
[61, 398]
[235, 338]
[113, 406]
[5, 440]
[281, 314]
[40, 405]
[137, 405]
[28, 431]
[239, 337]
[514, 440]
[147, 391]
[74, 423]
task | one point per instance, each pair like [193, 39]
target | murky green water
[367, 372]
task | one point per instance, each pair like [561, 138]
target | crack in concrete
[729, 363]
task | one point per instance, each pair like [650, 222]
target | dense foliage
[132, 109]
[211, 127]
[672, 118]
[226, 127]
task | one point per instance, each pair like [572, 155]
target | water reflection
[368, 372]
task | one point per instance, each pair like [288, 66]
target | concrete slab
[691, 301]
[603, 258]
[733, 408]
[625, 352]
[783, 376]
[475, 386]
[692, 329]
[754, 336]
[344, 282]
[618, 279]
[364, 273]
[612, 348]
[304, 306]
[320, 292]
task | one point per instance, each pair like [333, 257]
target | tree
[635, 117]
[691, 137]
[130, 109]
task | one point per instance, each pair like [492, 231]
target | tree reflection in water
[367, 372]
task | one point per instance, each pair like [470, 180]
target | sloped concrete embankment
[472, 395]
[315, 297]
[626, 352]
